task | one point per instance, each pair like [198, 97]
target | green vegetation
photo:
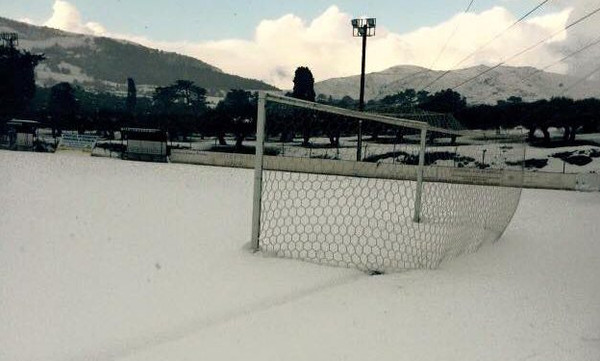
[17, 81]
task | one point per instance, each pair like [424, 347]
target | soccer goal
[376, 192]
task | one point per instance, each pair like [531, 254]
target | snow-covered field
[102, 259]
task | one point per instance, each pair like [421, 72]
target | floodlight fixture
[364, 27]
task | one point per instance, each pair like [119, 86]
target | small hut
[22, 134]
[145, 144]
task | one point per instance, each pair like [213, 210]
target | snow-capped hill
[497, 84]
[104, 64]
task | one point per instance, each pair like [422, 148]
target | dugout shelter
[145, 144]
[22, 134]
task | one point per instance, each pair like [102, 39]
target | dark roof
[155, 135]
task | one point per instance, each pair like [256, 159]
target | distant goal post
[397, 208]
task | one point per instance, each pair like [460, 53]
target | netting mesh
[372, 223]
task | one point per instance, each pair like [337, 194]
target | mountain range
[104, 64]
[496, 84]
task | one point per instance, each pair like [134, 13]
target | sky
[268, 39]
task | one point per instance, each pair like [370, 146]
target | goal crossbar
[400, 122]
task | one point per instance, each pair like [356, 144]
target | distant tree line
[572, 116]
[181, 109]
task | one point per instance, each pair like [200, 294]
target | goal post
[406, 204]
[258, 169]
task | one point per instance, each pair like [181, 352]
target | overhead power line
[537, 71]
[595, 42]
[497, 36]
[581, 19]
[404, 79]
[500, 34]
[450, 37]
[443, 49]
[581, 80]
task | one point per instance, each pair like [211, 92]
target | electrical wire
[581, 80]
[595, 42]
[581, 19]
[404, 79]
[497, 36]
[537, 71]
[437, 58]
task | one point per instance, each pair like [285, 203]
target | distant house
[145, 144]
[22, 134]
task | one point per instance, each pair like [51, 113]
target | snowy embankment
[102, 259]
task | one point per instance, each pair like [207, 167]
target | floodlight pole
[363, 28]
[361, 101]
[361, 104]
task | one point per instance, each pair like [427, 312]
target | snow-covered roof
[22, 122]
[141, 130]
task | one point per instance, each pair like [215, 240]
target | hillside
[104, 64]
[497, 84]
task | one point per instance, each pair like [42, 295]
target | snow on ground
[67, 73]
[102, 259]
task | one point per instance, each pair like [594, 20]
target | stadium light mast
[364, 28]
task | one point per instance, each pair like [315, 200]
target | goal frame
[419, 173]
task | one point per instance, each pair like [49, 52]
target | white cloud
[553, 23]
[326, 46]
[580, 35]
[65, 16]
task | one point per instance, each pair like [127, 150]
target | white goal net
[353, 189]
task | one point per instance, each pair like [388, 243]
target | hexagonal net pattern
[378, 214]
[367, 223]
